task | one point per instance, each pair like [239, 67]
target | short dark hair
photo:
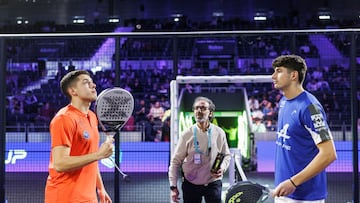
[292, 62]
[69, 79]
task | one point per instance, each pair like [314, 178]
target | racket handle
[109, 139]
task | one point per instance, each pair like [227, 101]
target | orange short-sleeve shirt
[78, 131]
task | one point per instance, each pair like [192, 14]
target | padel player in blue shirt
[304, 144]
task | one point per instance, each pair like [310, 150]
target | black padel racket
[246, 191]
[113, 107]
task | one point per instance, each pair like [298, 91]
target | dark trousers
[194, 193]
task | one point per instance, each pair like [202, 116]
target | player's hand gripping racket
[114, 107]
[246, 191]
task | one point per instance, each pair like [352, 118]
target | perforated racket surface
[114, 107]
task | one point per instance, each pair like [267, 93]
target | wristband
[292, 182]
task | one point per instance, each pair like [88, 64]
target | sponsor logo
[86, 135]
[318, 121]
[282, 137]
[236, 197]
[14, 155]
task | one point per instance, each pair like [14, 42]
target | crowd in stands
[150, 86]
[151, 91]
[253, 46]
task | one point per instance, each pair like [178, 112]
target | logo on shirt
[86, 135]
[282, 137]
[318, 121]
[283, 133]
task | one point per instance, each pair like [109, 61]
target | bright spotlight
[260, 16]
[79, 20]
[113, 19]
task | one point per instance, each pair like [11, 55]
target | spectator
[109, 83]
[156, 112]
[334, 103]
[141, 112]
[264, 101]
[10, 119]
[104, 81]
[317, 74]
[223, 70]
[137, 86]
[254, 66]
[323, 85]
[30, 103]
[46, 113]
[268, 112]
[325, 101]
[312, 86]
[150, 130]
[165, 130]
[276, 105]
[16, 106]
[258, 126]
[285, 51]
[162, 90]
[127, 85]
[130, 124]
[304, 49]
[164, 102]
[148, 85]
[253, 103]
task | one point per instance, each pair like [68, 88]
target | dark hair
[69, 79]
[211, 105]
[292, 62]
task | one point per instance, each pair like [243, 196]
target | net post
[117, 173]
[235, 156]
[2, 117]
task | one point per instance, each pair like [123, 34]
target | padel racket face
[113, 107]
[246, 192]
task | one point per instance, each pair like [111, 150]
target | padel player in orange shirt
[74, 174]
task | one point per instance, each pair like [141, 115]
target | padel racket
[246, 191]
[113, 107]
